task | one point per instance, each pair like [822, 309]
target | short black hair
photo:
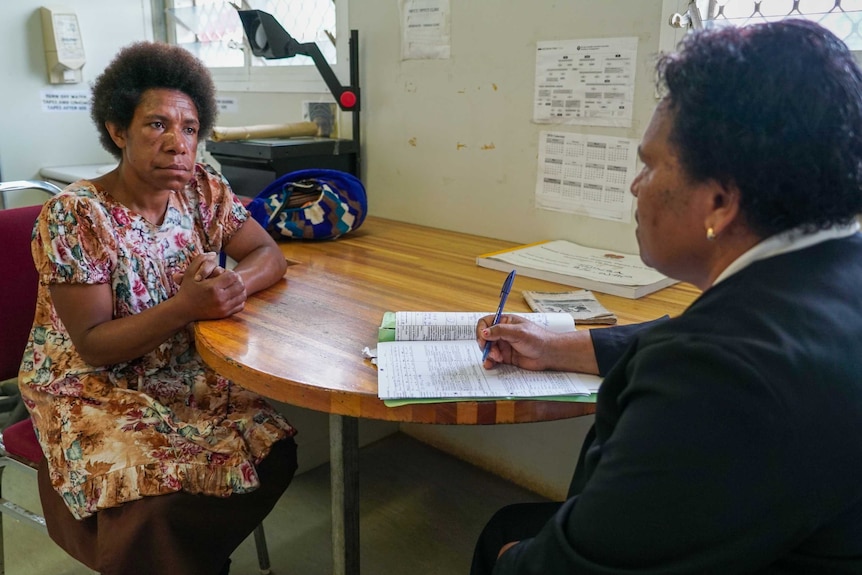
[776, 109]
[140, 67]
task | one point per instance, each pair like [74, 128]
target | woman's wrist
[573, 351]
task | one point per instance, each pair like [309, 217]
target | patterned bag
[311, 204]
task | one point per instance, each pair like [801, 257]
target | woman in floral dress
[153, 462]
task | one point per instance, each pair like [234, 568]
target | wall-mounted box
[64, 46]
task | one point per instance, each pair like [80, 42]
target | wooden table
[300, 341]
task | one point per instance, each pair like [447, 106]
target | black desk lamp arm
[311, 50]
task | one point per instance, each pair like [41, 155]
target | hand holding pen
[504, 294]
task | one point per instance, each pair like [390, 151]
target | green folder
[386, 331]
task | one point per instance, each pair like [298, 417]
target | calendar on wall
[586, 174]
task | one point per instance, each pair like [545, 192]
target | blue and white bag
[315, 204]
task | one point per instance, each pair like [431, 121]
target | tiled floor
[421, 511]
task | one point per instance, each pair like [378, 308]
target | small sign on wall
[425, 29]
[230, 105]
[65, 101]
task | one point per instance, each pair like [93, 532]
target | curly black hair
[776, 109]
[140, 67]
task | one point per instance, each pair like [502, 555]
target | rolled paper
[222, 133]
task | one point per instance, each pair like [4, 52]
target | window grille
[842, 17]
[212, 31]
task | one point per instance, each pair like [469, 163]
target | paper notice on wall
[586, 174]
[425, 30]
[229, 105]
[585, 82]
[65, 100]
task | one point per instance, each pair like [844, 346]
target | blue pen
[504, 293]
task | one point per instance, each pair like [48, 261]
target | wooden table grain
[300, 341]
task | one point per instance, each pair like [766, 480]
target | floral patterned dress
[161, 423]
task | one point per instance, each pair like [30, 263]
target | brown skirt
[178, 533]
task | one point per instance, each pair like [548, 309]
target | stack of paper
[433, 356]
[571, 264]
[582, 305]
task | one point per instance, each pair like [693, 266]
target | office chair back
[18, 284]
[18, 279]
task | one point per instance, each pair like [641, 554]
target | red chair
[18, 444]
[18, 282]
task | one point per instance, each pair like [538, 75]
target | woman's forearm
[261, 268]
[127, 338]
[572, 352]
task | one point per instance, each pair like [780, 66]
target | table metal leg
[344, 465]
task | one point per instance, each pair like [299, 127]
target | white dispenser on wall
[64, 46]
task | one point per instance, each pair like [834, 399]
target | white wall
[473, 166]
[29, 137]
[447, 143]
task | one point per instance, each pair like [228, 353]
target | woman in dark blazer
[728, 439]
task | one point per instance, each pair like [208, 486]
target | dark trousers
[523, 520]
[178, 533]
[511, 523]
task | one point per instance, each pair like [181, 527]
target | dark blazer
[727, 440]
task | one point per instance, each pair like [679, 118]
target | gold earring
[710, 234]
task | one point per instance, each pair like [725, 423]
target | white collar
[785, 242]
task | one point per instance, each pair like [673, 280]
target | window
[211, 30]
[842, 17]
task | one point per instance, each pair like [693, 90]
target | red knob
[347, 99]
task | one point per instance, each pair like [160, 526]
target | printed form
[586, 82]
[453, 369]
[439, 325]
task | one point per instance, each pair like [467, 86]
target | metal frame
[26, 185]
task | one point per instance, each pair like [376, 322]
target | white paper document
[453, 369]
[586, 174]
[425, 31]
[588, 82]
[569, 258]
[65, 100]
[435, 325]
